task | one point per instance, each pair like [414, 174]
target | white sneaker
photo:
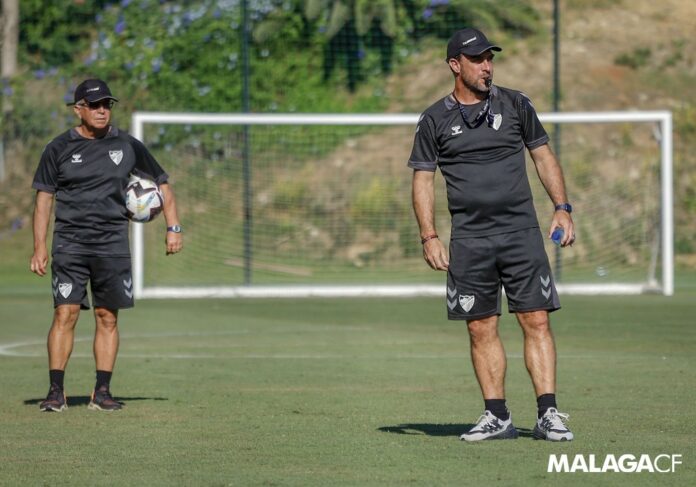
[551, 426]
[490, 427]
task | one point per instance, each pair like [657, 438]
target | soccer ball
[144, 201]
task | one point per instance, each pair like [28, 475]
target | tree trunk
[8, 63]
[10, 38]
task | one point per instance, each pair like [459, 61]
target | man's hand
[435, 254]
[562, 219]
[174, 242]
[39, 261]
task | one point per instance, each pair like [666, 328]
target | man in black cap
[477, 135]
[86, 171]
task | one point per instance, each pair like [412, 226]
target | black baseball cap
[92, 90]
[471, 42]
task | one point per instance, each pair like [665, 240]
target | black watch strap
[174, 229]
[565, 207]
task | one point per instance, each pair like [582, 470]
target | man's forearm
[42, 213]
[423, 194]
[169, 208]
[550, 174]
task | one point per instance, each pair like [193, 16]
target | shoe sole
[509, 434]
[49, 409]
[96, 407]
[540, 435]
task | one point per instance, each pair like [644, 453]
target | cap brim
[475, 53]
[100, 98]
[108, 97]
[488, 48]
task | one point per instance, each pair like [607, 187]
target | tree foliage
[186, 55]
[52, 32]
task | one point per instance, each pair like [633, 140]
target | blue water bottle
[557, 236]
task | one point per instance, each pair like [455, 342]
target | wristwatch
[174, 228]
[564, 207]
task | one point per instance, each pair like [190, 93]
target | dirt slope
[593, 36]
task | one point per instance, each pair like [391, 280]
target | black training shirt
[89, 179]
[482, 161]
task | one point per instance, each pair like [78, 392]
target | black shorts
[479, 266]
[109, 278]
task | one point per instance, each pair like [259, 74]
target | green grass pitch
[340, 392]
[336, 392]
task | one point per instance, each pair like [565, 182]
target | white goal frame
[662, 118]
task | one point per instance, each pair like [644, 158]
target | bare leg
[61, 335]
[106, 338]
[488, 356]
[539, 350]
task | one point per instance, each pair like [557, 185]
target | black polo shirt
[483, 162]
[89, 179]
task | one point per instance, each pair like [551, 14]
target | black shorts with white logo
[109, 278]
[481, 266]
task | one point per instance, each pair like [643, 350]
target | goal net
[320, 205]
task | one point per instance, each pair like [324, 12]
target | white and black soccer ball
[144, 201]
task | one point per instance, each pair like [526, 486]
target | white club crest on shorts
[466, 301]
[65, 288]
[116, 156]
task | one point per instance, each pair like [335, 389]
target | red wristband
[428, 237]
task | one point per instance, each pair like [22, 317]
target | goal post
[328, 210]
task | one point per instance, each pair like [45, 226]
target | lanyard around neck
[483, 113]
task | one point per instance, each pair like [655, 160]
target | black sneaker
[55, 400]
[103, 401]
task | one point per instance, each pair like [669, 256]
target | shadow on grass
[84, 400]
[438, 429]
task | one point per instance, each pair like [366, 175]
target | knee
[482, 331]
[105, 319]
[65, 317]
[536, 323]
